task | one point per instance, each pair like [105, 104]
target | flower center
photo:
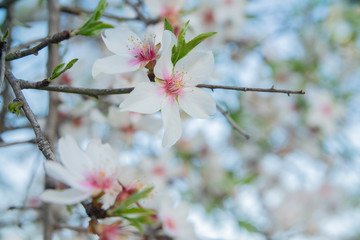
[99, 180]
[143, 51]
[174, 85]
[170, 224]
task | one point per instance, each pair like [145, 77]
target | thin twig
[56, 38]
[98, 92]
[232, 122]
[246, 89]
[4, 144]
[41, 141]
[140, 15]
[79, 11]
[27, 44]
[3, 46]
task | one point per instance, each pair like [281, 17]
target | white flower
[174, 219]
[131, 52]
[175, 86]
[86, 173]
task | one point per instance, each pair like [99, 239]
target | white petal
[58, 172]
[163, 68]
[197, 102]
[72, 157]
[198, 65]
[116, 40]
[101, 153]
[172, 122]
[114, 64]
[145, 98]
[67, 196]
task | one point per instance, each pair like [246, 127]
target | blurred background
[298, 175]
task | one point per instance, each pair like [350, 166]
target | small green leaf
[15, 106]
[92, 26]
[180, 44]
[194, 42]
[248, 226]
[135, 197]
[56, 72]
[143, 211]
[168, 26]
[5, 35]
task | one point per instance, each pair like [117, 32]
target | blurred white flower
[174, 219]
[87, 173]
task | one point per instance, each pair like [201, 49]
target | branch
[246, 89]
[56, 38]
[99, 92]
[140, 15]
[232, 122]
[2, 63]
[41, 141]
[4, 144]
[66, 89]
[78, 11]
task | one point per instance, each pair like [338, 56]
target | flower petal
[163, 68]
[72, 157]
[62, 174]
[198, 65]
[197, 102]
[67, 196]
[172, 122]
[145, 98]
[117, 40]
[115, 64]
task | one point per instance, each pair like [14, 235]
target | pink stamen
[99, 180]
[142, 51]
[174, 85]
[170, 224]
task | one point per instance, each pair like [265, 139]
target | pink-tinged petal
[164, 67]
[115, 64]
[197, 102]
[117, 40]
[62, 174]
[145, 98]
[67, 196]
[72, 157]
[172, 122]
[198, 66]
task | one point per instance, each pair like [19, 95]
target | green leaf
[180, 44]
[5, 35]
[248, 226]
[135, 197]
[194, 42]
[92, 26]
[168, 26]
[56, 72]
[15, 106]
[138, 211]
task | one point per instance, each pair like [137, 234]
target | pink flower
[131, 52]
[86, 173]
[175, 86]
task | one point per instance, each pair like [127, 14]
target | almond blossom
[87, 173]
[131, 52]
[175, 86]
[174, 219]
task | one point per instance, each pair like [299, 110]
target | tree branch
[41, 141]
[79, 11]
[233, 124]
[99, 92]
[56, 38]
[246, 89]
[4, 144]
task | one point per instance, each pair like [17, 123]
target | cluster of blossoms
[95, 177]
[174, 86]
